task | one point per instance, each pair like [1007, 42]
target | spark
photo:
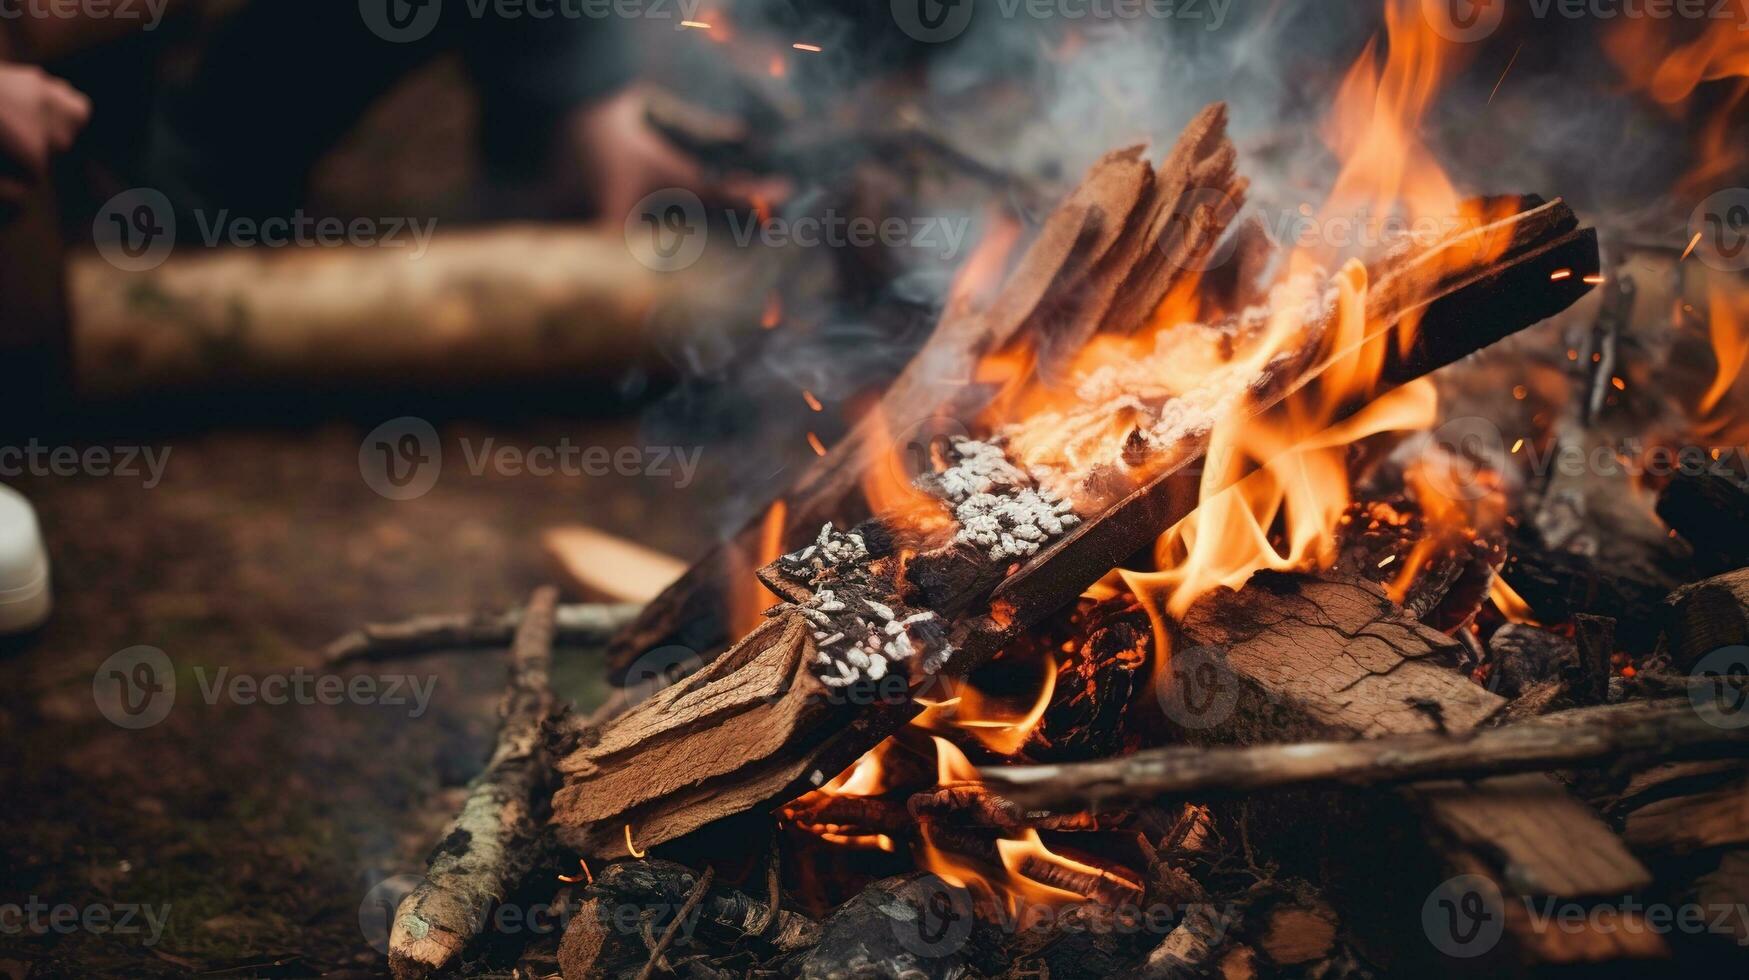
[1510, 62]
[813, 403]
[630, 847]
[585, 877]
[815, 48]
[1619, 384]
[1595, 280]
[1520, 392]
[819, 447]
[1692, 242]
[1518, 445]
[1559, 274]
[1388, 560]
[699, 24]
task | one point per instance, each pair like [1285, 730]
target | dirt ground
[251, 832]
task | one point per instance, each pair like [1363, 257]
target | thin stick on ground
[1670, 730]
[684, 915]
[489, 846]
[580, 624]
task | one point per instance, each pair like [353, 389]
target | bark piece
[490, 845]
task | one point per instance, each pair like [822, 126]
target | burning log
[1580, 737]
[768, 720]
[1082, 268]
[574, 625]
[489, 846]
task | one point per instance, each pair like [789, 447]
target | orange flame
[1671, 70]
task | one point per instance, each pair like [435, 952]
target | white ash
[858, 637]
[997, 507]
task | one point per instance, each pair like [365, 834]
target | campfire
[1175, 614]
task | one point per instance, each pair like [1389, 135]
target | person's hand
[40, 115]
[621, 158]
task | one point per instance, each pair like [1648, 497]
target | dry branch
[1586, 736]
[489, 846]
[587, 624]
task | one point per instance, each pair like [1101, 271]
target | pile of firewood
[1332, 756]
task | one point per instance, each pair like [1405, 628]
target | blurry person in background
[561, 127]
[40, 116]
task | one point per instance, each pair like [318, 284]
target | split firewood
[603, 566]
[1706, 616]
[1579, 737]
[575, 625]
[1079, 267]
[1710, 510]
[490, 846]
[1679, 807]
